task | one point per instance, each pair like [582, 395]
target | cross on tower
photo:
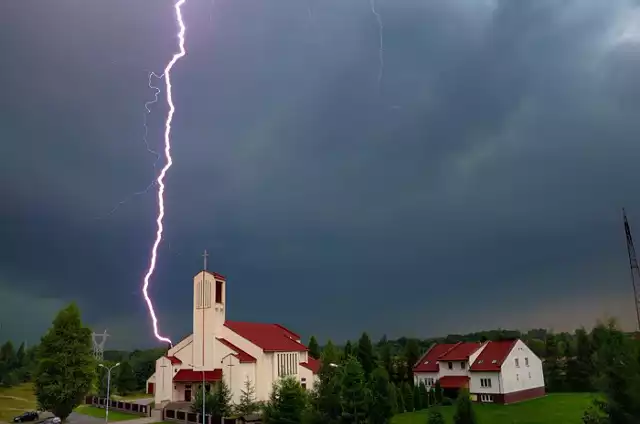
[205, 255]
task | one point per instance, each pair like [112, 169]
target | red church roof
[242, 356]
[174, 360]
[454, 382]
[460, 352]
[493, 355]
[312, 364]
[268, 337]
[188, 376]
[216, 275]
[428, 362]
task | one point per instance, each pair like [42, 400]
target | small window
[517, 363]
[304, 386]
[495, 361]
[480, 361]
[218, 291]
[426, 362]
[526, 362]
[518, 377]
[463, 365]
[450, 365]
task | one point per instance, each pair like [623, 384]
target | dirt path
[14, 398]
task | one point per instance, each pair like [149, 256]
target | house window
[207, 388]
[486, 398]
[428, 381]
[218, 291]
[485, 382]
[517, 363]
[526, 362]
[462, 365]
[450, 365]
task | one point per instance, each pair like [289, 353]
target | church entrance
[187, 395]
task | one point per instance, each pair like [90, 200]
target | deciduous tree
[66, 367]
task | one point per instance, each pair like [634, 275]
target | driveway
[76, 418]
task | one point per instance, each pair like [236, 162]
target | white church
[229, 351]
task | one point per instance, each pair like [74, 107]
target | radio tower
[633, 264]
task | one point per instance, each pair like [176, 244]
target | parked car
[52, 420]
[27, 416]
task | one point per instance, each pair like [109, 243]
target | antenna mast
[633, 265]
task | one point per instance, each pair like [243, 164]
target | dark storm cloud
[479, 186]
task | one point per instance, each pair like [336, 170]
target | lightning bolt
[169, 161]
[381, 48]
[146, 143]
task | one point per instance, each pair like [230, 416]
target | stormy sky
[479, 185]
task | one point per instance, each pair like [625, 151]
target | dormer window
[426, 362]
[480, 361]
[495, 361]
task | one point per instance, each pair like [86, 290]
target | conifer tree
[353, 392]
[393, 398]
[412, 355]
[365, 354]
[464, 409]
[407, 396]
[326, 405]
[287, 403]
[381, 408]
[66, 367]
[314, 348]
[437, 393]
[400, 399]
[417, 398]
[386, 361]
[248, 404]
[348, 350]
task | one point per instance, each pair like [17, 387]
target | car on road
[52, 420]
[27, 416]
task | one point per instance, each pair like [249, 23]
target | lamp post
[204, 395]
[106, 413]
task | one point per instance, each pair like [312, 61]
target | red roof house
[492, 356]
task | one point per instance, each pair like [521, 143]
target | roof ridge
[424, 355]
[449, 350]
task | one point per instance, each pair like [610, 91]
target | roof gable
[429, 361]
[460, 352]
[312, 364]
[268, 337]
[493, 356]
[240, 354]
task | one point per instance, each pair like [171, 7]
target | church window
[218, 291]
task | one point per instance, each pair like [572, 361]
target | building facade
[501, 371]
[230, 351]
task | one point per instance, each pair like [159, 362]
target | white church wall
[164, 380]
[307, 379]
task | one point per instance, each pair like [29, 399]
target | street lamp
[204, 396]
[106, 413]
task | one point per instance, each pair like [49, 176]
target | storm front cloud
[478, 185]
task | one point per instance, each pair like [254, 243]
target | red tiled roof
[240, 354]
[291, 333]
[428, 362]
[492, 356]
[216, 275]
[268, 337]
[188, 376]
[174, 360]
[454, 381]
[312, 364]
[460, 352]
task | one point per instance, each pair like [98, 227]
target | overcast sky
[478, 185]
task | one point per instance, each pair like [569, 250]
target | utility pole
[633, 265]
[106, 412]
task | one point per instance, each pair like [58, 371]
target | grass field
[561, 408]
[16, 400]
[92, 411]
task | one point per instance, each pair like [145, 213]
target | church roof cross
[205, 255]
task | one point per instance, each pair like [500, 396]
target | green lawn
[16, 400]
[92, 411]
[559, 408]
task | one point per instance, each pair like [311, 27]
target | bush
[435, 417]
[447, 401]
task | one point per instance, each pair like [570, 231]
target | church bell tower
[209, 303]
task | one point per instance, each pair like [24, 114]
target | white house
[502, 371]
[226, 350]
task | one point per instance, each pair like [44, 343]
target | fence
[119, 405]
[195, 418]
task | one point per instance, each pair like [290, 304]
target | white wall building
[226, 350]
[502, 371]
